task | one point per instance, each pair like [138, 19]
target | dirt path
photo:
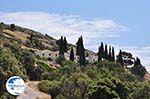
[32, 92]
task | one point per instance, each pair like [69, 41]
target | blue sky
[122, 23]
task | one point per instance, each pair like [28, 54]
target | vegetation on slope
[105, 79]
[102, 80]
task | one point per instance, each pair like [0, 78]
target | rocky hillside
[30, 39]
[23, 35]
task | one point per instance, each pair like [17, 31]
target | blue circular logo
[15, 85]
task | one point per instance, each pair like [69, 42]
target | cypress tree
[120, 59]
[100, 53]
[82, 42]
[137, 61]
[61, 46]
[102, 49]
[110, 54]
[106, 52]
[78, 47]
[65, 44]
[80, 51]
[72, 55]
[82, 59]
[113, 54]
[58, 42]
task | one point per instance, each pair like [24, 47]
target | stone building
[92, 57]
[47, 54]
[52, 55]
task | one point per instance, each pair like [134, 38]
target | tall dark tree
[110, 54]
[100, 53]
[113, 54]
[119, 58]
[137, 61]
[65, 45]
[61, 46]
[102, 49]
[81, 41]
[80, 51]
[82, 59]
[72, 55]
[106, 52]
[78, 46]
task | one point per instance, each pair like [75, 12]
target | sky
[121, 23]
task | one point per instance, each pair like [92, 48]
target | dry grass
[24, 47]
[19, 35]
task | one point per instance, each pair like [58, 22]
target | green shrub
[108, 89]
[6, 95]
[75, 86]
[138, 70]
[50, 87]
[52, 75]
[60, 59]
[139, 90]
[9, 66]
[68, 67]
[44, 66]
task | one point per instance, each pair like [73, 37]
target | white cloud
[68, 25]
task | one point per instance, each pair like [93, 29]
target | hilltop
[22, 35]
